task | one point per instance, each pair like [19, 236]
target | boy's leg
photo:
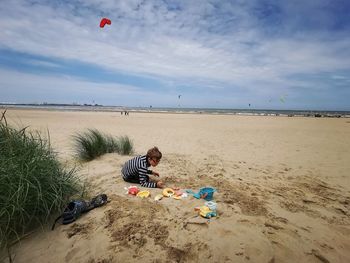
[132, 180]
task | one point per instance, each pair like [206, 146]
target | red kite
[105, 21]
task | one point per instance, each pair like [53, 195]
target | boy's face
[154, 161]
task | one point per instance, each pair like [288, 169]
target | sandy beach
[283, 189]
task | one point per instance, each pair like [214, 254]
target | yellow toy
[158, 197]
[143, 194]
[205, 211]
[177, 197]
[168, 192]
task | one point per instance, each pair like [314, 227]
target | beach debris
[143, 194]
[105, 21]
[158, 197]
[168, 192]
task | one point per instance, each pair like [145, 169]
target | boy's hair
[154, 153]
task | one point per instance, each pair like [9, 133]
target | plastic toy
[212, 205]
[168, 192]
[205, 212]
[133, 190]
[143, 194]
[158, 197]
[205, 193]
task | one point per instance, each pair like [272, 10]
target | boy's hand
[155, 174]
[160, 184]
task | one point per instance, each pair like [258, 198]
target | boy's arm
[153, 173]
[144, 179]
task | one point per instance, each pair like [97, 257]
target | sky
[257, 54]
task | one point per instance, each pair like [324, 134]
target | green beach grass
[92, 144]
[34, 186]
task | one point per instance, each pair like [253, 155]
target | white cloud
[192, 42]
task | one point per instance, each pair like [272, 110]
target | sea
[181, 110]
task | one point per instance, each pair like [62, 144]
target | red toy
[133, 190]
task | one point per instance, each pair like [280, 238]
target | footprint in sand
[78, 229]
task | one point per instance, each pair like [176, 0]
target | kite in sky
[105, 21]
[283, 98]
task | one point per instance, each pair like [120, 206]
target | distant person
[136, 170]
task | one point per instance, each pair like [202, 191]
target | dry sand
[283, 190]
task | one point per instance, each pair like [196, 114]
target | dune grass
[33, 184]
[92, 144]
[125, 145]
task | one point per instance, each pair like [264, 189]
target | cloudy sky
[269, 54]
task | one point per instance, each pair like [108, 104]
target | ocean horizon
[184, 110]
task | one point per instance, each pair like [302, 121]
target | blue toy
[205, 193]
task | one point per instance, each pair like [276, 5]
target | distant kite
[179, 96]
[283, 98]
[105, 21]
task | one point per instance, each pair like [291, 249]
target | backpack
[77, 207]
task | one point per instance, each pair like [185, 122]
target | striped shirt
[136, 168]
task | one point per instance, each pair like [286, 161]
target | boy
[136, 169]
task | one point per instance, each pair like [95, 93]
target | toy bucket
[207, 193]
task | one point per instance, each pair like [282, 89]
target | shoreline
[204, 111]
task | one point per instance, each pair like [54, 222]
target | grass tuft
[92, 144]
[33, 184]
[125, 145]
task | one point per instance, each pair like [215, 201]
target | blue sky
[220, 54]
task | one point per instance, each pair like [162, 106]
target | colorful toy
[205, 193]
[143, 194]
[212, 205]
[133, 190]
[178, 195]
[168, 192]
[205, 212]
[178, 192]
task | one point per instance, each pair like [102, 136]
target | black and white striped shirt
[136, 168]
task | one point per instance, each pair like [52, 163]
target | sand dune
[283, 190]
